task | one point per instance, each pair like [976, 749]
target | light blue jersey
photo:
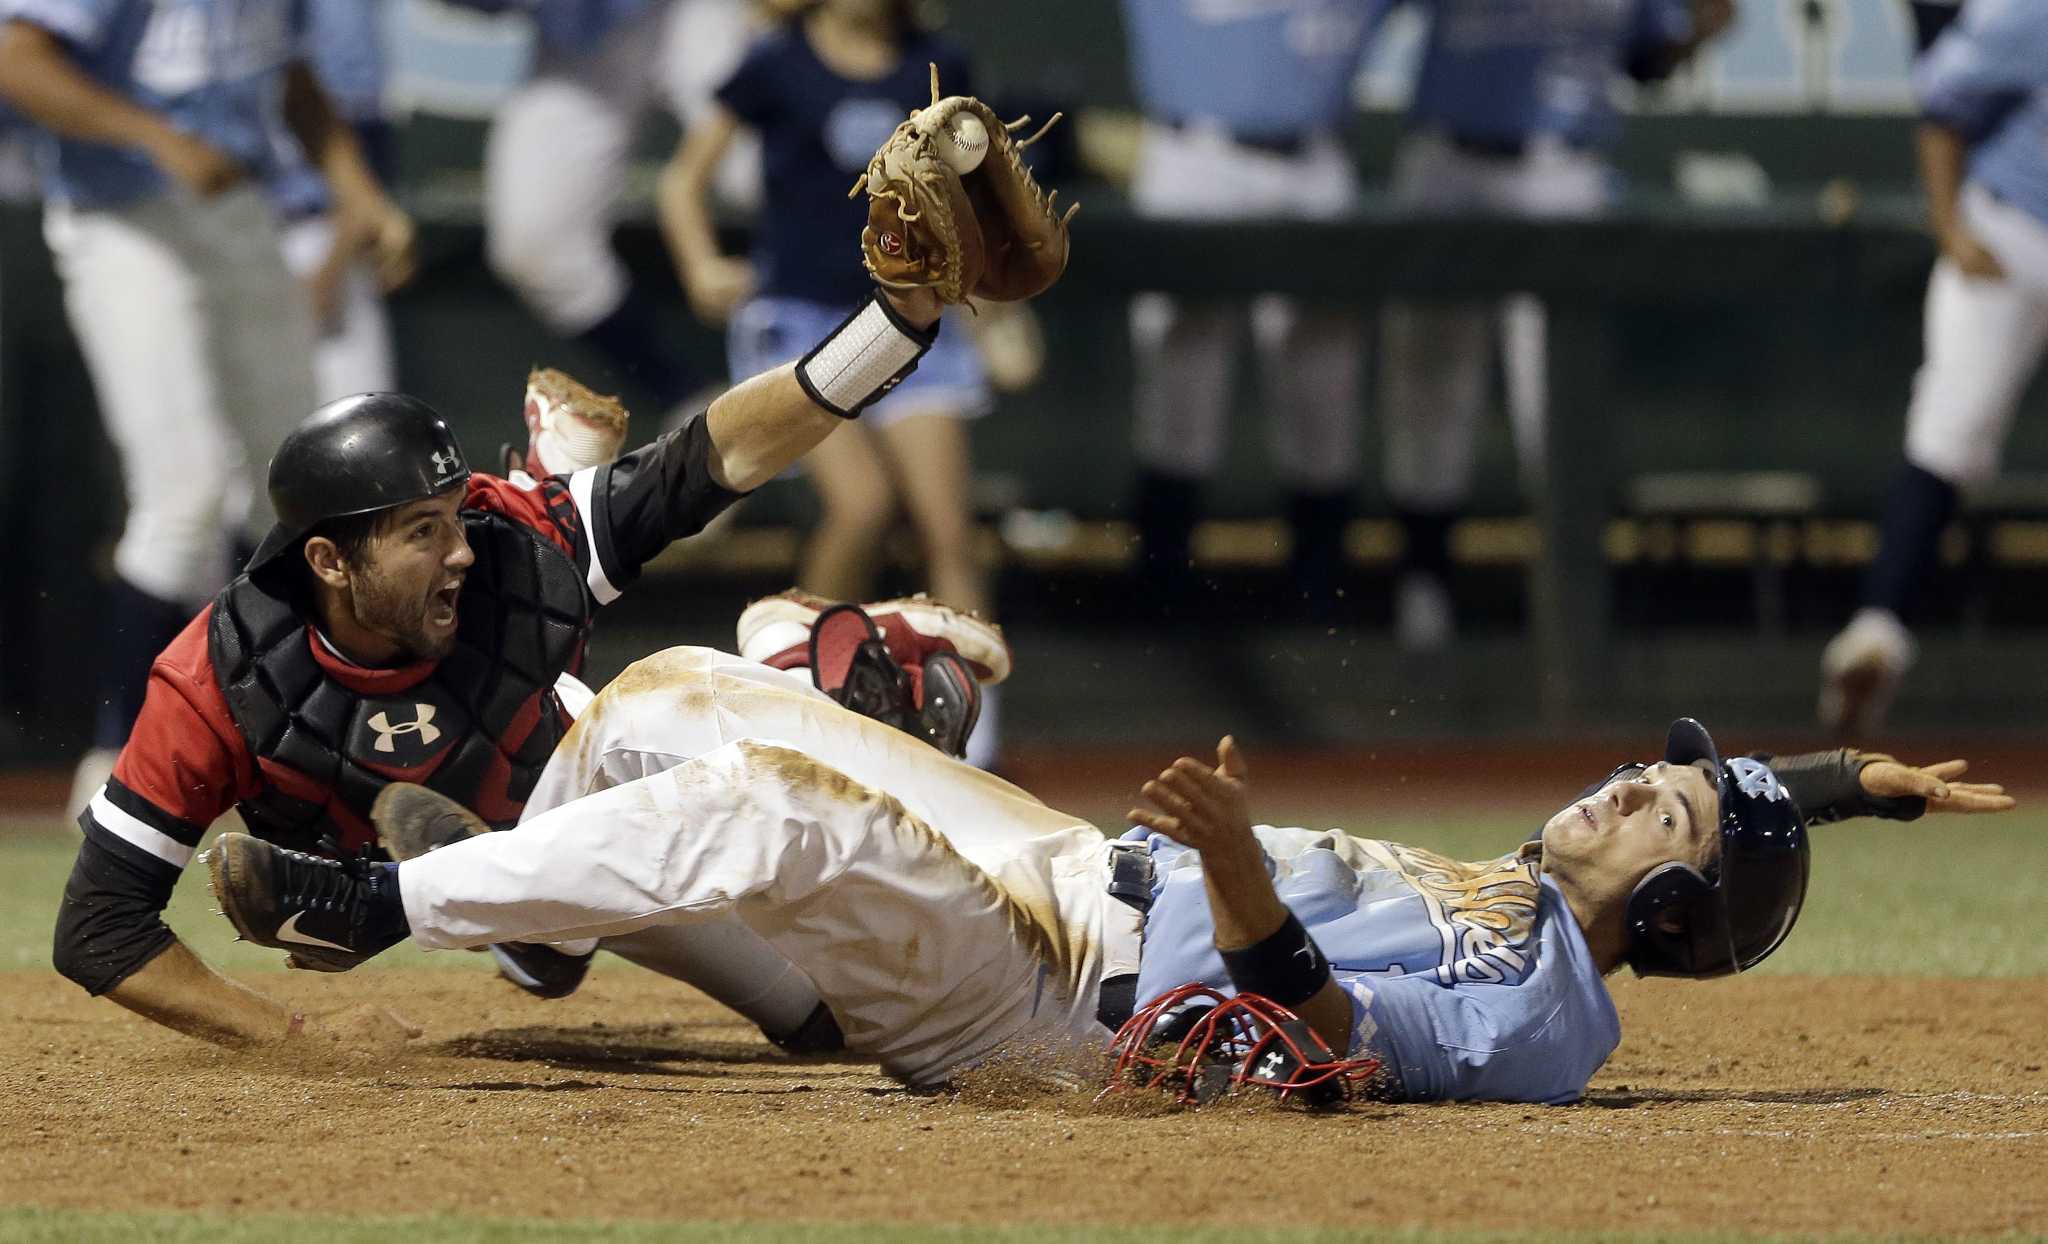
[1468, 981]
[1505, 71]
[1987, 75]
[215, 68]
[1274, 69]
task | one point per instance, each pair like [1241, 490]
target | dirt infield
[1765, 1104]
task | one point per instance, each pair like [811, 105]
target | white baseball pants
[351, 354]
[1185, 355]
[200, 347]
[1435, 359]
[941, 912]
[1983, 343]
[561, 147]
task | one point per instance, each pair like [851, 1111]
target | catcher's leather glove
[990, 232]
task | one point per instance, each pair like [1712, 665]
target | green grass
[65, 1227]
[1947, 896]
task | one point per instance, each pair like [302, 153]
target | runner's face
[406, 588]
[1608, 841]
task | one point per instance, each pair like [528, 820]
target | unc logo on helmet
[1755, 779]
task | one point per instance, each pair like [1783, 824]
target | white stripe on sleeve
[600, 583]
[137, 834]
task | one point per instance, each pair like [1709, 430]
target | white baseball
[963, 141]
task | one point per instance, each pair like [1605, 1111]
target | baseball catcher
[946, 916]
[409, 619]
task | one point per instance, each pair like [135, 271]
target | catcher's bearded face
[403, 588]
[1599, 847]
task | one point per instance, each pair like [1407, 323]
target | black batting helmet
[355, 455]
[1729, 917]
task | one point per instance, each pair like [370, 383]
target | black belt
[1271, 144]
[1130, 883]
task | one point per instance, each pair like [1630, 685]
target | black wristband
[1287, 966]
[1828, 787]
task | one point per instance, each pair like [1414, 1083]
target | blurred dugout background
[1752, 306]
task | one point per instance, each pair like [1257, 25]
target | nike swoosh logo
[289, 932]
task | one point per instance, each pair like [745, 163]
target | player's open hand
[1962, 249]
[1887, 778]
[196, 164]
[372, 227]
[1202, 806]
[717, 285]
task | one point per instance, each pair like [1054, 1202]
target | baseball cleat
[775, 630]
[1860, 672]
[411, 821]
[542, 971]
[330, 914]
[569, 427]
[950, 703]
[818, 1034]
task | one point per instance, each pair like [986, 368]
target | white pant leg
[1433, 356]
[1184, 357]
[1310, 358]
[133, 294]
[554, 163]
[928, 961]
[1983, 342]
[1552, 182]
[353, 353]
[259, 334]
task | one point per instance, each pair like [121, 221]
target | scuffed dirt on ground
[1766, 1104]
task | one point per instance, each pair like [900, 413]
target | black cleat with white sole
[330, 914]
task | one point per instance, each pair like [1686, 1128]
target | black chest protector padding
[523, 616]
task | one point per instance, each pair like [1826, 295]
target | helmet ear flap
[1676, 893]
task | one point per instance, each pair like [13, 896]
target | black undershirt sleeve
[648, 499]
[1828, 787]
[110, 921]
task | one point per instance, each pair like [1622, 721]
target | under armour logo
[1308, 952]
[445, 462]
[1755, 779]
[422, 726]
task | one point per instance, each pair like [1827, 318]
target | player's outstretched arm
[40, 78]
[1264, 947]
[715, 281]
[366, 220]
[183, 992]
[1845, 783]
[761, 426]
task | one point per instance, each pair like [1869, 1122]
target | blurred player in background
[1512, 116]
[163, 121]
[347, 264]
[557, 157]
[1243, 107]
[1983, 149]
[823, 92]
